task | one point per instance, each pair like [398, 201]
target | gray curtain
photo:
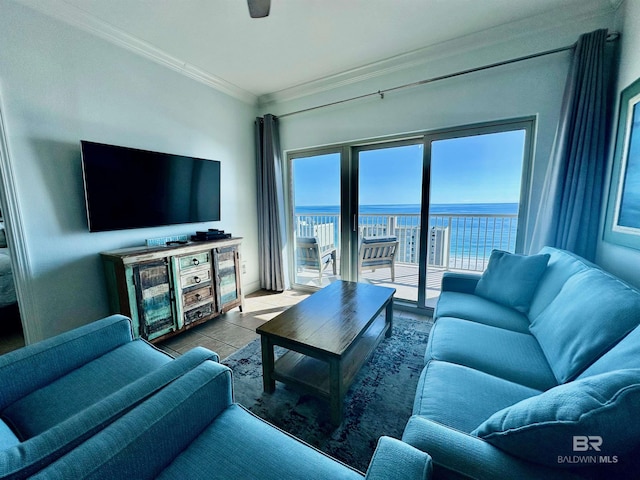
[569, 213]
[271, 220]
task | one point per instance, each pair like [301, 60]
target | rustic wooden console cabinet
[166, 290]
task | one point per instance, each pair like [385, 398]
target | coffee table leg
[389, 317]
[336, 391]
[268, 382]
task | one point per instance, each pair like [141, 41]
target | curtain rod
[610, 38]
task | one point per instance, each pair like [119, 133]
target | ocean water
[473, 229]
[454, 208]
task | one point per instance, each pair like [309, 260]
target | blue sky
[477, 169]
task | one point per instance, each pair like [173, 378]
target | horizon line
[418, 204]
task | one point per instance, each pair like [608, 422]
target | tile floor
[233, 330]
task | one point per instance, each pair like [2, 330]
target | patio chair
[309, 254]
[378, 252]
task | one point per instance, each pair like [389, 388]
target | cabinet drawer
[196, 277]
[198, 313]
[194, 261]
[194, 297]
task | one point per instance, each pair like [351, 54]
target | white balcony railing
[456, 241]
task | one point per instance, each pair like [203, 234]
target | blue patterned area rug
[379, 401]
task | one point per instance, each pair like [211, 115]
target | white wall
[59, 85]
[623, 261]
[530, 88]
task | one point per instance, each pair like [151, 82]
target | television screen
[131, 188]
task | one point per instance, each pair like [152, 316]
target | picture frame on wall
[622, 225]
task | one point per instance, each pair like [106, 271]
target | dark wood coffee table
[329, 336]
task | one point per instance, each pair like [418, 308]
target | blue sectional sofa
[532, 371]
[96, 403]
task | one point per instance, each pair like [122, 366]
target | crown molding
[512, 32]
[74, 16]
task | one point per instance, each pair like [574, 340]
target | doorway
[11, 334]
[11, 325]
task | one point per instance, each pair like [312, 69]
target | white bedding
[7, 287]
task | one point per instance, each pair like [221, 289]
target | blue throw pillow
[512, 279]
[595, 418]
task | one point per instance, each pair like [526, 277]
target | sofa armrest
[34, 454]
[34, 366]
[395, 459]
[146, 439]
[459, 282]
[457, 454]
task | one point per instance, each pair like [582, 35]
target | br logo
[583, 443]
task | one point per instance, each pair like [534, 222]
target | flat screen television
[129, 188]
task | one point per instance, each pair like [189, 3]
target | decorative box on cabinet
[166, 290]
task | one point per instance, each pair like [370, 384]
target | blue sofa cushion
[510, 355]
[34, 366]
[82, 388]
[462, 397]
[592, 312]
[543, 429]
[7, 437]
[512, 279]
[260, 451]
[30, 456]
[140, 444]
[477, 309]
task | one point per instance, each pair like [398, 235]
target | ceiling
[300, 41]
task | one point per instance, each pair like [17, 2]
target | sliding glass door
[389, 215]
[316, 218]
[402, 213]
[475, 198]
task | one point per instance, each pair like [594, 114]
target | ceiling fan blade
[259, 8]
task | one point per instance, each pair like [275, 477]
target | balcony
[456, 242]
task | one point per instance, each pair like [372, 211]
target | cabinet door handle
[197, 279]
[195, 261]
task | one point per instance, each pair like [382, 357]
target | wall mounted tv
[130, 188]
